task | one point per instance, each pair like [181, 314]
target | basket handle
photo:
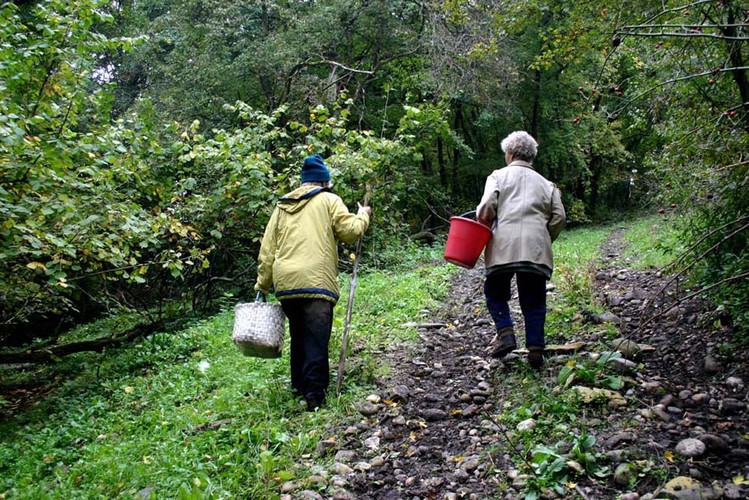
[260, 297]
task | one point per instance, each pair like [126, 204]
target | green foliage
[80, 202]
[559, 447]
[172, 212]
[229, 182]
[591, 373]
[140, 417]
[201, 56]
[552, 470]
[696, 132]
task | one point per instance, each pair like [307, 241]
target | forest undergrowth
[183, 415]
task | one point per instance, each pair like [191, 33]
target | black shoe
[506, 344]
[314, 402]
[536, 357]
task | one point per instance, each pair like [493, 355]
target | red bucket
[465, 241]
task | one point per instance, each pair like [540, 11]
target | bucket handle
[472, 215]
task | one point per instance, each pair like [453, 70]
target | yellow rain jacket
[299, 252]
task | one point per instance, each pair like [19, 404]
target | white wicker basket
[258, 329]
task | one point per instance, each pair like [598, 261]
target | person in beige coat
[299, 259]
[526, 215]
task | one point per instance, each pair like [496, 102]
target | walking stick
[350, 307]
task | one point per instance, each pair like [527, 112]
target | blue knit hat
[314, 170]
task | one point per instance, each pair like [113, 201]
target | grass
[575, 254]
[130, 422]
[652, 241]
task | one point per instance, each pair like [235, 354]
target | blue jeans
[532, 295]
[310, 324]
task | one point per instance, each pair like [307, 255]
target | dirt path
[429, 431]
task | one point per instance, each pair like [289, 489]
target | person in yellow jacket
[299, 259]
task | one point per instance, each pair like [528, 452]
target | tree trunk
[441, 161]
[536, 110]
[737, 61]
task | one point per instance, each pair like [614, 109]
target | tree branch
[731, 279]
[686, 77]
[48, 354]
[696, 34]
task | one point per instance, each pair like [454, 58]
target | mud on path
[429, 430]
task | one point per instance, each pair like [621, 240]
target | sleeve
[267, 255]
[486, 212]
[558, 216]
[348, 227]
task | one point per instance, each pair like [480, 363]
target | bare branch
[703, 254]
[694, 34]
[339, 65]
[683, 26]
[679, 9]
[689, 250]
[687, 77]
[731, 279]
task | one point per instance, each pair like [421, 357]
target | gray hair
[521, 145]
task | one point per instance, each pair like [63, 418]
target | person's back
[524, 195]
[520, 201]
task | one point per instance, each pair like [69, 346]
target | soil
[428, 432]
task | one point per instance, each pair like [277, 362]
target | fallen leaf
[571, 485]
[739, 480]
[668, 455]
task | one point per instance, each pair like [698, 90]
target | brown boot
[536, 357]
[506, 344]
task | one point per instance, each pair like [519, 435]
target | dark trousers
[532, 295]
[310, 324]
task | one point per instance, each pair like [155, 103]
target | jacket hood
[297, 199]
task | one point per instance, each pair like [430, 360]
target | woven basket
[258, 329]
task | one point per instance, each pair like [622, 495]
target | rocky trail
[430, 430]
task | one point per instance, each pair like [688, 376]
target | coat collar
[520, 163]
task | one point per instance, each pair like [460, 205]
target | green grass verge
[575, 255]
[652, 242]
[129, 421]
[551, 421]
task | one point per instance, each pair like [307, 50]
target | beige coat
[529, 215]
[299, 252]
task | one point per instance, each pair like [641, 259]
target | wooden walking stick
[350, 307]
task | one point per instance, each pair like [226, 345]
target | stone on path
[691, 447]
